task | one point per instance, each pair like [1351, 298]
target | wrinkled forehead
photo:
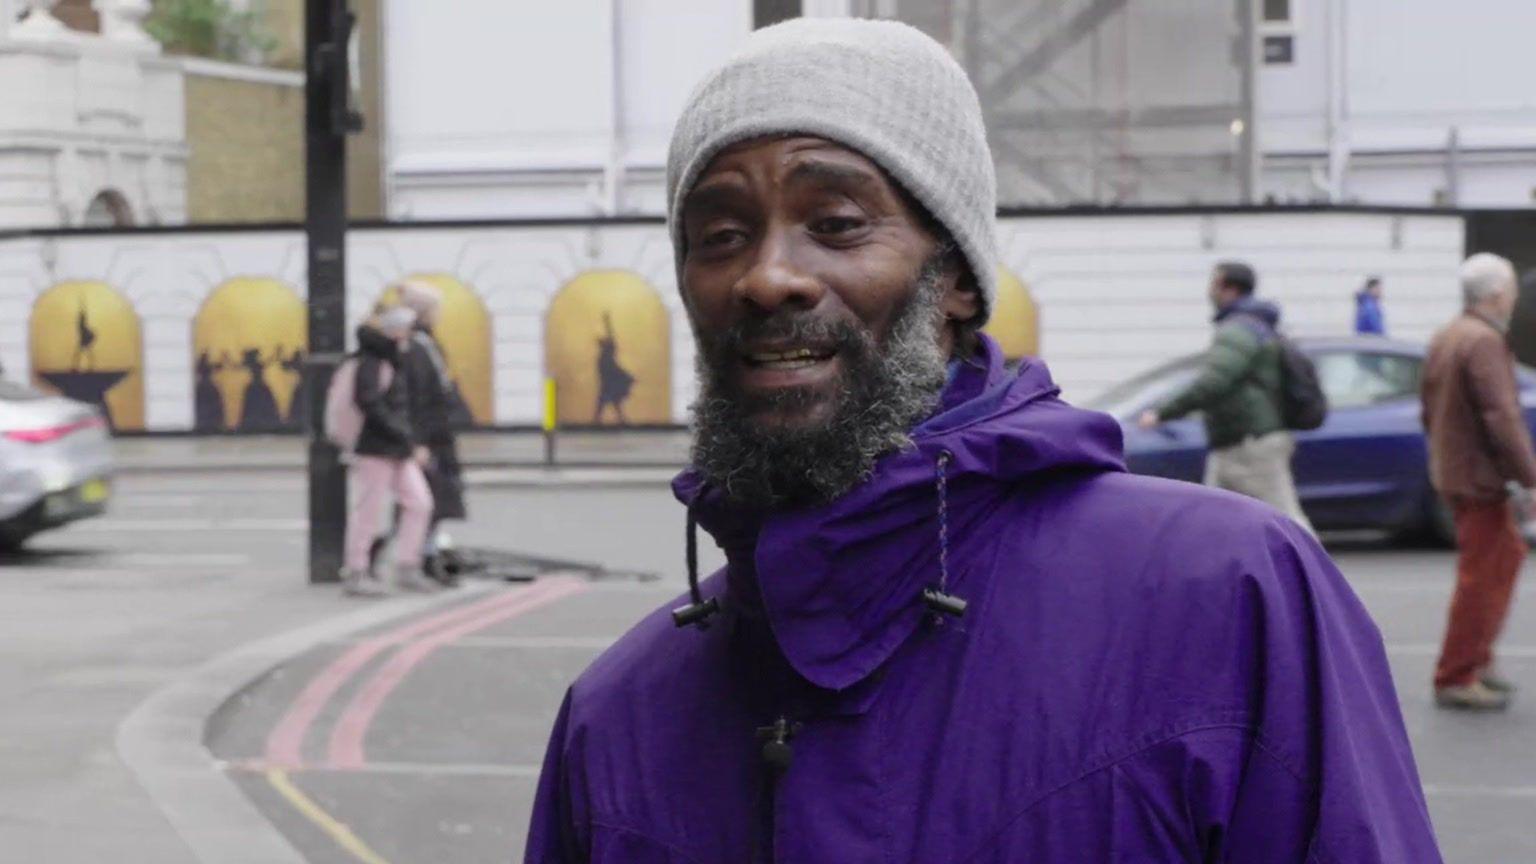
[793, 155]
[801, 159]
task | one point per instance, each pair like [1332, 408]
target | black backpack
[1303, 405]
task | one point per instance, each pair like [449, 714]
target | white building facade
[92, 126]
[511, 110]
[1405, 102]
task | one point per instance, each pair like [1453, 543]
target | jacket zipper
[776, 757]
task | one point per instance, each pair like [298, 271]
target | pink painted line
[285, 743]
[346, 748]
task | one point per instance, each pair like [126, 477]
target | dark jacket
[432, 421]
[431, 390]
[1239, 387]
[386, 412]
[1478, 439]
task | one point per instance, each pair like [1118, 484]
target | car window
[1354, 379]
[1146, 390]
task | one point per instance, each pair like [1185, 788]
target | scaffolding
[1106, 102]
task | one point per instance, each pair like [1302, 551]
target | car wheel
[1439, 522]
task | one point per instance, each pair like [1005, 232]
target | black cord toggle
[776, 749]
[695, 614]
[942, 603]
[698, 611]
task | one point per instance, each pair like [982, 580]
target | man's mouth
[789, 359]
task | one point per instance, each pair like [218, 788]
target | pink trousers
[374, 479]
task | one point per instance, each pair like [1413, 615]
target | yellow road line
[326, 822]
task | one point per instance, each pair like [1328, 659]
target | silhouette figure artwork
[85, 346]
[614, 383]
[207, 399]
[298, 406]
[83, 381]
[258, 410]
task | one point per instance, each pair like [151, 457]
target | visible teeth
[783, 356]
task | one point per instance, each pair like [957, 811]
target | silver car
[55, 462]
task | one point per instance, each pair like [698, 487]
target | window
[1130, 398]
[1358, 379]
[1277, 11]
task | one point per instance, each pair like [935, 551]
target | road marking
[1480, 791]
[1428, 649]
[285, 743]
[580, 643]
[346, 748]
[1437, 587]
[325, 821]
[111, 525]
[447, 769]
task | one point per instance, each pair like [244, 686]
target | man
[952, 628]
[1238, 393]
[431, 409]
[1370, 320]
[1478, 444]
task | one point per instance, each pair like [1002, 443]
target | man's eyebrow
[711, 196]
[830, 173]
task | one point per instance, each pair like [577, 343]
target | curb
[162, 740]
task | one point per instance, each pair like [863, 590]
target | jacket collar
[840, 584]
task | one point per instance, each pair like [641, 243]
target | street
[418, 739]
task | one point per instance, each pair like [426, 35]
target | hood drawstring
[698, 611]
[936, 597]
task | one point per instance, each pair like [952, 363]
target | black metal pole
[327, 120]
[766, 12]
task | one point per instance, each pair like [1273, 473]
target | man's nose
[777, 280]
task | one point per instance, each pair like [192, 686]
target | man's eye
[836, 225]
[722, 237]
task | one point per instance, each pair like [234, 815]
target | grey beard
[882, 395]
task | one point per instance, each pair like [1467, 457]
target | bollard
[550, 422]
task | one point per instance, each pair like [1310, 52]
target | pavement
[176, 693]
[581, 449]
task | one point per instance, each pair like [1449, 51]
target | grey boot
[361, 583]
[408, 577]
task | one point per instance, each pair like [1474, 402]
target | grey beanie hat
[882, 88]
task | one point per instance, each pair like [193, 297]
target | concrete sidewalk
[620, 450]
[84, 647]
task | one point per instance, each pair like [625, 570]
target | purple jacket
[1147, 671]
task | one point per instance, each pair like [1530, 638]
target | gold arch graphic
[464, 330]
[86, 343]
[248, 345]
[608, 346]
[1015, 321]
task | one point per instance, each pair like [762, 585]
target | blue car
[1365, 469]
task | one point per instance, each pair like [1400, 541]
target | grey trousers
[1259, 468]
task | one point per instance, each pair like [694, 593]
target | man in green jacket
[1238, 392]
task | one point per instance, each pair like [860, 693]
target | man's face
[1504, 301]
[790, 241]
[816, 296]
[1217, 290]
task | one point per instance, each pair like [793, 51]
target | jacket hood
[1263, 310]
[371, 341]
[841, 583]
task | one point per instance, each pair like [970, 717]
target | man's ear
[961, 300]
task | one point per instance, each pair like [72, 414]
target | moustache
[793, 328]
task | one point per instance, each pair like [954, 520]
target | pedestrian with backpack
[385, 458]
[1253, 389]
